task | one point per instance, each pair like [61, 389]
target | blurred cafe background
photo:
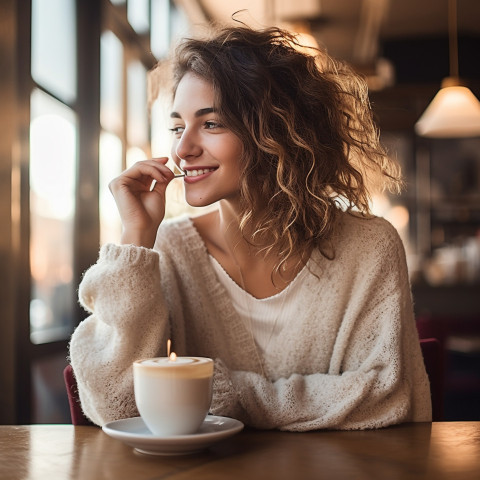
[76, 109]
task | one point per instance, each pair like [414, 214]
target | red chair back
[78, 417]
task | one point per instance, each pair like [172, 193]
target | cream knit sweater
[348, 359]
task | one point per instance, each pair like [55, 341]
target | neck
[249, 260]
[239, 243]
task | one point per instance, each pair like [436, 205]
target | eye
[177, 130]
[210, 125]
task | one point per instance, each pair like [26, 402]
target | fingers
[143, 175]
[155, 168]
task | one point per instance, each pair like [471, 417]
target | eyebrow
[198, 113]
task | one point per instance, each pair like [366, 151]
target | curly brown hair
[305, 120]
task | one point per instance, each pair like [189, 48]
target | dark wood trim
[87, 222]
[23, 286]
[9, 192]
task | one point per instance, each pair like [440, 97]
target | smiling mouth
[200, 171]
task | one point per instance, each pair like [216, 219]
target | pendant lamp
[455, 111]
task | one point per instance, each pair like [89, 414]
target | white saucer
[135, 433]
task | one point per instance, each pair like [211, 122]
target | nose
[188, 145]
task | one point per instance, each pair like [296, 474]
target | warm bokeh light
[52, 176]
[135, 154]
[110, 167]
[453, 113]
[53, 160]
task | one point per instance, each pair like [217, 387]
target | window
[53, 163]
[54, 47]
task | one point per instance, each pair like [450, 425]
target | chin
[200, 202]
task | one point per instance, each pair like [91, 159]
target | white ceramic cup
[173, 397]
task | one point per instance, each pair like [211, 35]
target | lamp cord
[453, 37]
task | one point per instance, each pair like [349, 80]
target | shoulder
[367, 252]
[180, 236]
[174, 233]
[366, 225]
[366, 237]
[365, 229]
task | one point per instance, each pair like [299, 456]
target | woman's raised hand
[141, 207]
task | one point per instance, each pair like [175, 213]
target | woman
[298, 293]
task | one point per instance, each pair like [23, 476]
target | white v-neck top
[263, 317]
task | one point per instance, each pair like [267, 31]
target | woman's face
[203, 148]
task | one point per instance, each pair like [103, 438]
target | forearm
[318, 401]
[128, 321]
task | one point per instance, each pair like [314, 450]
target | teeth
[196, 173]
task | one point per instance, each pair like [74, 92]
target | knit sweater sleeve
[128, 320]
[375, 377]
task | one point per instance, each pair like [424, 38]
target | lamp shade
[454, 112]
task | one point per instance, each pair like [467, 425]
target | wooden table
[439, 451]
